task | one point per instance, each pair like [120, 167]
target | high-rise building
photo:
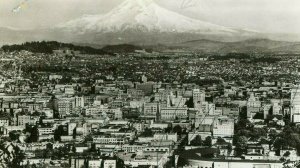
[171, 113]
[198, 99]
[71, 127]
[79, 101]
[198, 96]
[266, 108]
[151, 109]
[277, 109]
[144, 79]
[211, 109]
[253, 101]
[65, 106]
[253, 105]
[223, 127]
[295, 104]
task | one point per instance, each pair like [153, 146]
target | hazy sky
[263, 15]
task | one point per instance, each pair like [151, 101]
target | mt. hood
[143, 21]
[142, 15]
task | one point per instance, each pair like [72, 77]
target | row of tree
[48, 47]
[197, 141]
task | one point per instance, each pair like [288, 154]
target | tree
[287, 130]
[36, 113]
[14, 135]
[264, 141]
[177, 129]
[258, 133]
[168, 129]
[279, 143]
[182, 161]
[46, 153]
[190, 103]
[18, 157]
[58, 132]
[298, 148]
[220, 140]
[64, 165]
[287, 153]
[60, 152]
[229, 149]
[243, 113]
[207, 141]
[292, 139]
[147, 132]
[197, 141]
[241, 144]
[243, 132]
[34, 134]
[88, 138]
[243, 124]
[273, 134]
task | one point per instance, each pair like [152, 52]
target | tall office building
[198, 96]
[79, 101]
[295, 104]
[198, 99]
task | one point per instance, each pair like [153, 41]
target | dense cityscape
[82, 107]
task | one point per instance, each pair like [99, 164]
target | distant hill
[130, 48]
[251, 45]
[202, 45]
[121, 48]
[47, 47]
[294, 48]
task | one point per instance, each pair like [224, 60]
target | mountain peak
[142, 15]
[134, 20]
[141, 3]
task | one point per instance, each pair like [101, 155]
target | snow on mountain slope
[142, 15]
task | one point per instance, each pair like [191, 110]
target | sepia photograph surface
[150, 84]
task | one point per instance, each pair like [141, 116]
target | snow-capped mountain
[141, 22]
[142, 15]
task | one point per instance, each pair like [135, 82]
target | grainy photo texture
[150, 84]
